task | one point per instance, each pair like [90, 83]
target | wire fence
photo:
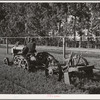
[77, 42]
[40, 41]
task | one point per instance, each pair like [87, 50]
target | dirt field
[15, 80]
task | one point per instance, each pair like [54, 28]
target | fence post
[25, 42]
[7, 45]
[64, 48]
[66, 74]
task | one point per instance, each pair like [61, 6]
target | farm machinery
[74, 63]
[33, 62]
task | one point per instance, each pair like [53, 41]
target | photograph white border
[52, 1]
[50, 96]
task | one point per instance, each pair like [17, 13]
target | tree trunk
[88, 43]
[80, 42]
[75, 32]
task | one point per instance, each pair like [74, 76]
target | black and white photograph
[50, 48]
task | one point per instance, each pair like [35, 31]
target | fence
[57, 41]
[49, 41]
[84, 42]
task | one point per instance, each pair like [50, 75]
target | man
[30, 47]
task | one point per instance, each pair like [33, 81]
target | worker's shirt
[31, 46]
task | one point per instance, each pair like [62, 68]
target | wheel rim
[51, 66]
[83, 61]
[50, 71]
[24, 64]
[16, 60]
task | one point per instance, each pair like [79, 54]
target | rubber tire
[6, 61]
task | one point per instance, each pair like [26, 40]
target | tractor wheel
[24, 64]
[6, 60]
[83, 61]
[16, 59]
[54, 71]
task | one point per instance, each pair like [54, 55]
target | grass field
[15, 80]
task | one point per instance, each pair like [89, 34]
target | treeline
[44, 19]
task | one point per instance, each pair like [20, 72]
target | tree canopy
[49, 19]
